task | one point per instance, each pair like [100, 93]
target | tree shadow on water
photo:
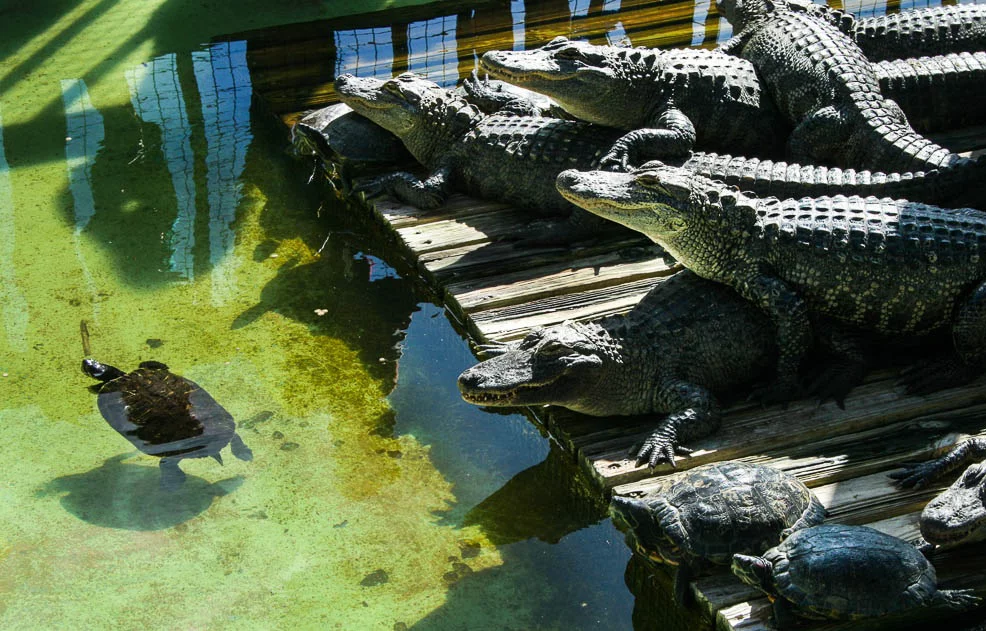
[128, 496]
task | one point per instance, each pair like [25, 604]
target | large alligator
[929, 31]
[671, 102]
[586, 79]
[688, 342]
[957, 515]
[824, 86]
[498, 157]
[879, 265]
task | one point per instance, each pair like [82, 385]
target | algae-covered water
[142, 191]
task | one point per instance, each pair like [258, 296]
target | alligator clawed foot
[914, 475]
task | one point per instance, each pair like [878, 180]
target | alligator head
[958, 515]
[425, 116]
[561, 365]
[674, 207]
[583, 78]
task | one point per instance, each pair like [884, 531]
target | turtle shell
[724, 508]
[849, 572]
[164, 414]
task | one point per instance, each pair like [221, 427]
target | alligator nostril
[469, 379]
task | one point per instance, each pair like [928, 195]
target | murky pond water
[139, 191]
[144, 191]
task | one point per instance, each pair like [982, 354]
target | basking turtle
[164, 415]
[845, 573]
[713, 512]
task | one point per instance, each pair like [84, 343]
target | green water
[140, 192]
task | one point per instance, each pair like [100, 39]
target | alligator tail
[787, 180]
[933, 31]
[936, 91]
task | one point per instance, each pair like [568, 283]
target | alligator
[687, 343]
[879, 265]
[670, 101]
[501, 157]
[824, 86]
[929, 31]
[585, 79]
[958, 515]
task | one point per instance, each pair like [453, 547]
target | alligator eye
[392, 87]
[553, 348]
[569, 52]
[649, 180]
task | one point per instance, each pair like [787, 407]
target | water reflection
[156, 95]
[13, 305]
[225, 91]
[119, 494]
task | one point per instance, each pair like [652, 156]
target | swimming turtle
[845, 573]
[164, 415]
[713, 512]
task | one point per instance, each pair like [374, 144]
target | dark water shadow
[546, 502]
[128, 496]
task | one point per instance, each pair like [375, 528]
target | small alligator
[929, 31]
[688, 342]
[824, 86]
[501, 157]
[958, 515]
[884, 266]
[722, 93]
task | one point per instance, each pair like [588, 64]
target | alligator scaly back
[826, 87]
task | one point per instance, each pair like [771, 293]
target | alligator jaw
[603, 193]
[496, 398]
[497, 63]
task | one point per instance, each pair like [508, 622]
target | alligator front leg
[671, 135]
[821, 137]
[695, 415]
[408, 188]
[919, 474]
[845, 365]
[789, 314]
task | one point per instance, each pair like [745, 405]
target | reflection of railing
[293, 67]
[156, 94]
[225, 92]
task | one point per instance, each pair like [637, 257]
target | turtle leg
[172, 477]
[958, 599]
[240, 450]
[682, 578]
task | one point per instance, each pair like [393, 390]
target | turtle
[844, 572]
[164, 415]
[713, 512]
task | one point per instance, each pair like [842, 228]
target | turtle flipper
[172, 477]
[240, 450]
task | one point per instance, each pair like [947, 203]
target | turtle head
[641, 520]
[753, 570]
[100, 371]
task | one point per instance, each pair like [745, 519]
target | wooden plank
[600, 271]
[514, 321]
[747, 431]
[476, 261]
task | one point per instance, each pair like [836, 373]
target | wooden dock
[467, 251]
